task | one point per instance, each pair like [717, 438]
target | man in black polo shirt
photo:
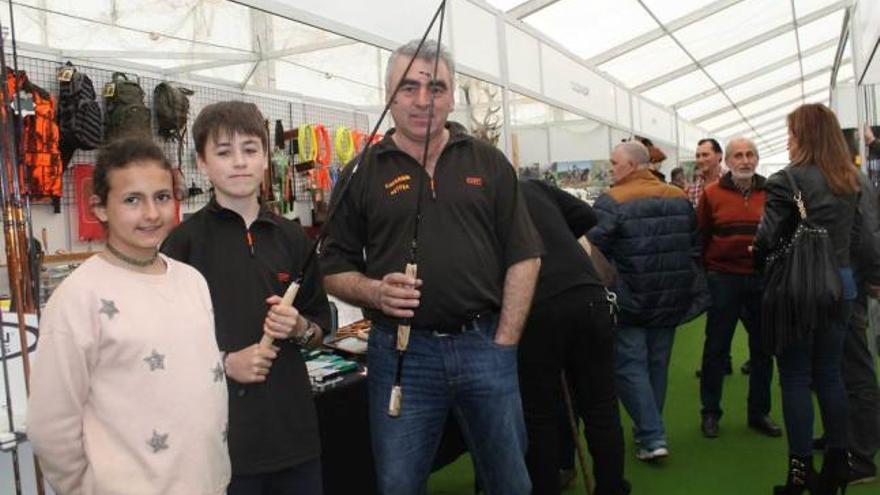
[478, 259]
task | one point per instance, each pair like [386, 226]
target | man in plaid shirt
[708, 168]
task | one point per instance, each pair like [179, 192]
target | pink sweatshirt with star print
[128, 393]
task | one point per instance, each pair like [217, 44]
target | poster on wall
[90, 228]
[11, 342]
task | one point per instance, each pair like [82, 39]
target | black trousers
[572, 332]
[863, 393]
[302, 479]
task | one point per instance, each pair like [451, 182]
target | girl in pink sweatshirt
[127, 390]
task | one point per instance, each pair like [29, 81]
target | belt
[470, 324]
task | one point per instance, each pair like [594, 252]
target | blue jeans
[734, 297]
[641, 368]
[815, 363]
[467, 374]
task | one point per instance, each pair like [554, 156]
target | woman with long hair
[822, 170]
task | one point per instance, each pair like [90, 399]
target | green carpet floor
[739, 462]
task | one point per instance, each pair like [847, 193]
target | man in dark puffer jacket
[648, 229]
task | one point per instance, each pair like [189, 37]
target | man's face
[411, 105]
[742, 159]
[621, 165]
[706, 157]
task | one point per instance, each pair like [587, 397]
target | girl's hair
[122, 153]
[820, 141]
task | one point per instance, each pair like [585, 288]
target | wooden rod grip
[404, 327]
[286, 300]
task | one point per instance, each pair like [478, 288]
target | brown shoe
[766, 426]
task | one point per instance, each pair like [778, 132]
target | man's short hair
[636, 152]
[233, 117]
[676, 171]
[428, 52]
[716, 147]
[738, 139]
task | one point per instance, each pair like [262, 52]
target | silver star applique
[219, 373]
[158, 442]
[108, 308]
[155, 360]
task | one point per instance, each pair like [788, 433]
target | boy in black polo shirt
[249, 256]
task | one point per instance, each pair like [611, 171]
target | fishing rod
[15, 234]
[403, 329]
[344, 183]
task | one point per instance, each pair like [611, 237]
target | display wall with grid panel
[62, 229]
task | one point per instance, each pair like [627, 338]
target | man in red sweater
[728, 214]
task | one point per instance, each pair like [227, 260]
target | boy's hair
[232, 117]
[121, 153]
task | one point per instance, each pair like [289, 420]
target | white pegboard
[62, 228]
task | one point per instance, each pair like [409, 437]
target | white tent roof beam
[766, 36]
[751, 75]
[658, 33]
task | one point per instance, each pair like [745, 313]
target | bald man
[648, 230]
[728, 213]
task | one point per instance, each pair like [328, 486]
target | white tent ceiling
[734, 67]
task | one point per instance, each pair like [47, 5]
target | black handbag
[802, 286]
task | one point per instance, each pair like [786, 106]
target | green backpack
[126, 113]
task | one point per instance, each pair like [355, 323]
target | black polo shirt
[474, 225]
[561, 219]
[273, 425]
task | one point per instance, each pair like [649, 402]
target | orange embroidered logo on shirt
[474, 181]
[398, 185]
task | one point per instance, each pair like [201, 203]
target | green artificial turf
[739, 462]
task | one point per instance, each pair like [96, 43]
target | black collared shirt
[474, 225]
[273, 425]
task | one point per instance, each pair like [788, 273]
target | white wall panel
[845, 105]
[573, 84]
[475, 37]
[523, 58]
[866, 30]
[623, 107]
[532, 144]
[587, 141]
[655, 121]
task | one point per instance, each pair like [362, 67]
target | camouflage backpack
[126, 115]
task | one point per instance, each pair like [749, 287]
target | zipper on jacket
[250, 242]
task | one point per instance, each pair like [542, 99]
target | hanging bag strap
[797, 196]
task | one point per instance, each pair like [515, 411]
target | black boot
[835, 474]
[801, 477]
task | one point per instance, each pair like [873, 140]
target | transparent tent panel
[765, 82]
[643, 64]
[845, 72]
[774, 118]
[815, 83]
[821, 60]
[820, 30]
[770, 101]
[778, 157]
[358, 63]
[505, 5]
[731, 26]
[704, 106]
[307, 81]
[291, 34]
[680, 88]
[743, 62]
[807, 7]
[232, 73]
[668, 11]
[722, 120]
[563, 21]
